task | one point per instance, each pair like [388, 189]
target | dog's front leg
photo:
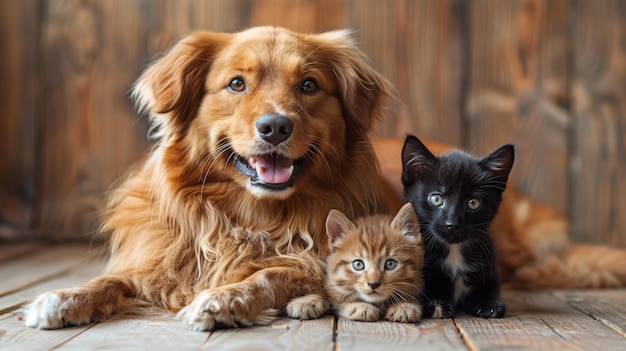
[91, 302]
[256, 300]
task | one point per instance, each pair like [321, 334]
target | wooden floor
[557, 320]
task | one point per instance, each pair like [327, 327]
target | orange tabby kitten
[374, 269]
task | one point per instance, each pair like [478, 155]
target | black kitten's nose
[452, 226]
[274, 128]
[374, 285]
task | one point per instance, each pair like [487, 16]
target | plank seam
[465, 337]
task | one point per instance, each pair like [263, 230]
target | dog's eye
[237, 85]
[309, 87]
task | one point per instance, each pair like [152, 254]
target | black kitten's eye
[473, 204]
[237, 85]
[436, 200]
[309, 86]
[358, 265]
[391, 264]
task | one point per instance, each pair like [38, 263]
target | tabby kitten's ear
[337, 224]
[406, 221]
[417, 161]
[500, 162]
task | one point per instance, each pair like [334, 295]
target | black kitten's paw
[438, 309]
[488, 309]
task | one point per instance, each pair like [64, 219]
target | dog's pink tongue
[272, 170]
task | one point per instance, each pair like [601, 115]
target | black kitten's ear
[417, 160]
[337, 224]
[500, 162]
[406, 221]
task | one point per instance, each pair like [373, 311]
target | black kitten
[456, 196]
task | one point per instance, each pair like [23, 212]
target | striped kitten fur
[374, 270]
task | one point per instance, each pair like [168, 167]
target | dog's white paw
[216, 308]
[307, 307]
[49, 311]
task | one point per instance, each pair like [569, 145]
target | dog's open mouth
[273, 172]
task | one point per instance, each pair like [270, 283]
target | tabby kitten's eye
[473, 204]
[436, 200]
[390, 264]
[358, 265]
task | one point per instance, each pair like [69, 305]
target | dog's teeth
[258, 168]
[291, 170]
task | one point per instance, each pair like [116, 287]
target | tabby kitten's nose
[374, 285]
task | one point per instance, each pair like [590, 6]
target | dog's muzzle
[269, 171]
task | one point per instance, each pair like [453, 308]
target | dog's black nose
[274, 128]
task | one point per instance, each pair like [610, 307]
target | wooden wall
[549, 75]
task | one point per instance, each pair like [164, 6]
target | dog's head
[265, 107]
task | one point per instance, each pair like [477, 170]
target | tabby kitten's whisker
[383, 256]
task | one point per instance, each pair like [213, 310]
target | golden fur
[375, 291]
[190, 232]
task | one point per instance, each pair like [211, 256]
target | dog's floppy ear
[364, 91]
[171, 89]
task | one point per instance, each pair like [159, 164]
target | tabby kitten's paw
[439, 309]
[488, 309]
[307, 307]
[405, 312]
[360, 311]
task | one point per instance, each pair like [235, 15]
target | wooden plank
[15, 336]
[79, 274]
[146, 332]
[431, 70]
[606, 306]
[429, 334]
[542, 72]
[598, 178]
[300, 15]
[539, 320]
[28, 270]
[11, 250]
[283, 334]
[19, 64]
[380, 27]
[89, 131]
[513, 43]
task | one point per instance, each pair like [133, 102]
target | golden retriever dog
[259, 134]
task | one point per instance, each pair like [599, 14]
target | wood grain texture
[431, 73]
[152, 332]
[606, 306]
[17, 337]
[290, 334]
[514, 45]
[539, 320]
[89, 131]
[24, 271]
[556, 320]
[428, 334]
[546, 74]
[599, 131]
[380, 29]
[64, 278]
[18, 69]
